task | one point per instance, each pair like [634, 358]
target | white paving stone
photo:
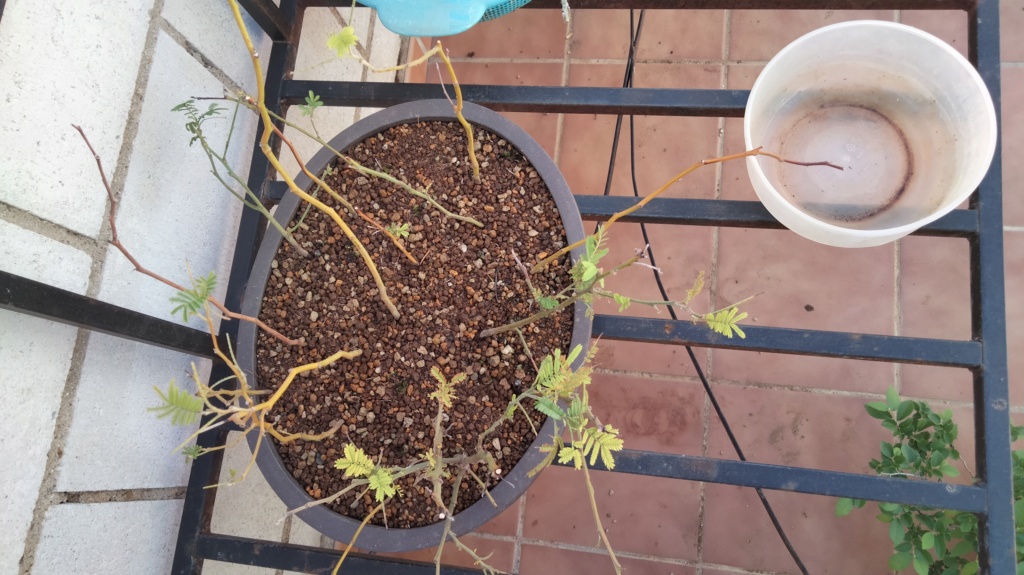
[113, 441]
[135, 537]
[315, 61]
[35, 355]
[39, 258]
[247, 509]
[174, 215]
[211, 28]
[61, 65]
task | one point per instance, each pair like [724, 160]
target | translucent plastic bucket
[904, 114]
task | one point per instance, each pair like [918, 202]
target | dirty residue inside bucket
[896, 147]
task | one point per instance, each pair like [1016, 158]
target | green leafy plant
[182, 406]
[312, 103]
[398, 230]
[190, 302]
[219, 166]
[931, 541]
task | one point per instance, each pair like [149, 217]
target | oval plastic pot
[334, 525]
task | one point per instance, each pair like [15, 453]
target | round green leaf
[878, 410]
[896, 532]
[928, 540]
[844, 505]
[900, 561]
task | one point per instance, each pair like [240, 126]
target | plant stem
[615, 217]
[269, 128]
[356, 536]
[597, 519]
[371, 172]
[116, 242]
[391, 236]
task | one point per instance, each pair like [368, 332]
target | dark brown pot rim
[340, 527]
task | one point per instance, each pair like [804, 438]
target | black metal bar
[38, 299]
[726, 213]
[794, 341]
[198, 508]
[269, 17]
[799, 479]
[996, 533]
[552, 99]
[304, 559]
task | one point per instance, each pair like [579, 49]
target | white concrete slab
[248, 509]
[211, 28]
[62, 66]
[39, 258]
[35, 355]
[173, 214]
[135, 537]
[113, 441]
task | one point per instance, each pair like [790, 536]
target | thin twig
[116, 242]
[615, 217]
[398, 243]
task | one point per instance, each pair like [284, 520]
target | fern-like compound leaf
[182, 406]
[725, 322]
[598, 443]
[343, 41]
[382, 484]
[191, 301]
[192, 451]
[355, 463]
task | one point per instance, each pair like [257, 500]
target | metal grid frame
[981, 224]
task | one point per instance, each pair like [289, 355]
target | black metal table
[981, 224]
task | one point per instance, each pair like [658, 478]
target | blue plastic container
[438, 17]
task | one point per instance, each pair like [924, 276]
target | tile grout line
[119, 495]
[47, 493]
[517, 547]
[715, 239]
[193, 51]
[897, 309]
[92, 247]
[607, 61]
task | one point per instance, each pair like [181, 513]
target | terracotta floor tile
[645, 515]
[1011, 30]
[681, 252]
[1014, 269]
[542, 126]
[501, 559]
[934, 382]
[1013, 145]
[936, 302]
[664, 146]
[796, 428]
[950, 26]
[505, 523]
[760, 34]
[677, 35]
[652, 415]
[523, 35]
[805, 285]
[542, 560]
[802, 284]
[666, 35]
[738, 533]
[936, 288]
